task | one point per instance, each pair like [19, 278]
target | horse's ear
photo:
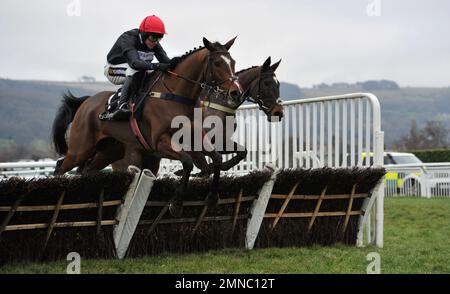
[275, 65]
[266, 65]
[230, 43]
[207, 44]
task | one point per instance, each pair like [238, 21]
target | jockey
[134, 51]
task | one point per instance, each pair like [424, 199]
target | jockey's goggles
[155, 37]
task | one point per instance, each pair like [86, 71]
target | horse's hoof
[179, 173]
[200, 175]
[209, 170]
[58, 165]
[212, 199]
[176, 207]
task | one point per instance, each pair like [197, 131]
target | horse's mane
[190, 52]
[182, 57]
[242, 70]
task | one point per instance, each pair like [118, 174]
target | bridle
[233, 78]
[247, 97]
[213, 85]
[257, 100]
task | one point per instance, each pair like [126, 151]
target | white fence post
[259, 209]
[130, 212]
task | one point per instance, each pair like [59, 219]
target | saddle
[113, 101]
[136, 100]
[137, 103]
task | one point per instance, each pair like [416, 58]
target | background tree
[434, 135]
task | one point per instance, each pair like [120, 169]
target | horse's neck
[247, 77]
[192, 68]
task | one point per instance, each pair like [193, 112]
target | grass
[417, 240]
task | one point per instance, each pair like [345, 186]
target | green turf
[417, 240]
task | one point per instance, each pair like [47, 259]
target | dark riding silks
[130, 48]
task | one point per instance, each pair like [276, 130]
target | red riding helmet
[152, 24]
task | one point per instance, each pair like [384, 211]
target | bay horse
[260, 86]
[89, 142]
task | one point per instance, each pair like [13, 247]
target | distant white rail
[27, 164]
[27, 169]
[423, 180]
[30, 169]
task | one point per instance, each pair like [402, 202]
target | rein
[209, 87]
[248, 98]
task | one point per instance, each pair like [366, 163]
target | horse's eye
[216, 63]
[266, 83]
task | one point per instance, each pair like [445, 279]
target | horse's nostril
[278, 113]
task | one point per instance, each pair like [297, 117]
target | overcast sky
[318, 40]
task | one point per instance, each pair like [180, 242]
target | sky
[328, 41]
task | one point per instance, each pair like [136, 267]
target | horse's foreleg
[151, 162]
[131, 156]
[200, 162]
[59, 162]
[213, 196]
[70, 161]
[166, 148]
[241, 153]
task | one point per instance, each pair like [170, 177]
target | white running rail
[421, 180]
[27, 169]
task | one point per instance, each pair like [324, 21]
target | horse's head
[220, 69]
[265, 91]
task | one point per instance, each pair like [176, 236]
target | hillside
[28, 107]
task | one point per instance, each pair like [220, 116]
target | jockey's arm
[140, 65]
[160, 54]
[135, 62]
[129, 51]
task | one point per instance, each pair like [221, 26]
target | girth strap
[166, 96]
[175, 98]
[137, 132]
[218, 107]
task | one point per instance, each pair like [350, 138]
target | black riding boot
[122, 111]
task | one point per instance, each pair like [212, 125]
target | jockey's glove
[164, 66]
[160, 66]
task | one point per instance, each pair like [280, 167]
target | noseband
[257, 100]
